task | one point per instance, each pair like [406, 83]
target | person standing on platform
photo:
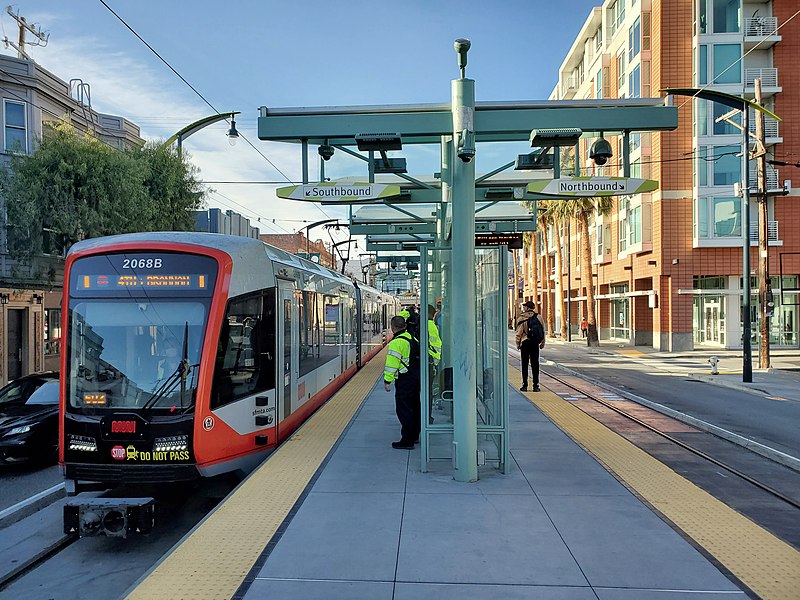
[530, 339]
[402, 368]
[584, 327]
[412, 321]
[437, 317]
[434, 356]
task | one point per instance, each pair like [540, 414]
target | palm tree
[545, 219]
[582, 209]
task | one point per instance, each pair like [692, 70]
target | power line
[183, 79]
[740, 59]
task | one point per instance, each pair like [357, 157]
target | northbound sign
[338, 192]
[592, 186]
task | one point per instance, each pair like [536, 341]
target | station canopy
[398, 226]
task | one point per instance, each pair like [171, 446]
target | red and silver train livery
[190, 355]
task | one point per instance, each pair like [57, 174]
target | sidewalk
[782, 380]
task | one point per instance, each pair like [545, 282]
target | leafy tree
[75, 187]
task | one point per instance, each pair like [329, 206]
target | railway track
[765, 491]
[597, 398]
[37, 560]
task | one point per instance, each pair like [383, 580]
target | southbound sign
[338, 192]
[592, 186]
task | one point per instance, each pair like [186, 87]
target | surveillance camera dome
[601, 151]
[325, 151]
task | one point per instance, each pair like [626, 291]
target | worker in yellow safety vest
[402, 368]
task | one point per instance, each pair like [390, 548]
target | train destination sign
[592, 186]
[512, 240]
[339, 192]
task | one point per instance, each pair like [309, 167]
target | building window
[725, 126]
[599, 240]
[725, 15]
[621, 69]
[634, 83]
[727, 63]
[725, 213]
[617, 13]
[634, 39]
[16, 139]
[727, 165]
[52, 331]
[598, 81]
[635, 225]
[623, 225]
[703, 60]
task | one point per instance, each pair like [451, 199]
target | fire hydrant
[714, 361]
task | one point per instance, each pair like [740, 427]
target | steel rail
[684, 445]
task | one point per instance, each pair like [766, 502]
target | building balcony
[772, 232]
[774, 183]
[761, 32]
[769, 82]
[771, 129]
[569, 86]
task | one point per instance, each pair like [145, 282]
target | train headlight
[82, 443]
[171, 443]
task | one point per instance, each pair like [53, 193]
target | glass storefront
[620, 314]
[709, 312]
[783, 325]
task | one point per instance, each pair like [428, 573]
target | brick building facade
[296, 243]
[667, 266]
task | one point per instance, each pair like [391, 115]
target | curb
[35, 503]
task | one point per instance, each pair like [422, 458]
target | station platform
[336, 512]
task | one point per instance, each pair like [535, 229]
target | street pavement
[780, 381]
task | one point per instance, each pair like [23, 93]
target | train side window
[244, 364]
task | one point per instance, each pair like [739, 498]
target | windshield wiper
[178, 375]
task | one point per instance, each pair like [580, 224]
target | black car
[29, 419]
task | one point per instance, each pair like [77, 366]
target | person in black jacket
[529, 349]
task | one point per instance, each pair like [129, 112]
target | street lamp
[184, 133]
[743, 105]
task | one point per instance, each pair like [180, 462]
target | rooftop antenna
[24, 27]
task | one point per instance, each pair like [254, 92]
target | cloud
[123, 85]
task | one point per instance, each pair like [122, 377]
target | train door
[288, 344]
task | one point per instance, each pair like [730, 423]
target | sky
[240, 55]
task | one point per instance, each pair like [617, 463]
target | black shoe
[524, 387]
[401, 445]
[536, 387]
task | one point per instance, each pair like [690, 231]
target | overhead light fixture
[233, 135]
[564, 136]
[378, 141]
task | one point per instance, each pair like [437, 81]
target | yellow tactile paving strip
[216, 557]
[766, 564]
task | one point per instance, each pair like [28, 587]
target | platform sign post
[462, 300]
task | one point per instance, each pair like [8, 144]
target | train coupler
[111, 517]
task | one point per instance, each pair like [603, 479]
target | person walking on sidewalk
[402, 368]
[530, 339]
[584, 327]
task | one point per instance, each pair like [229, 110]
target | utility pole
[24, 27]
[764, 288]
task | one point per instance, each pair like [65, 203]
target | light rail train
[191, 355]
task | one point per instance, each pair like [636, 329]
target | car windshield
[128, 353]
[46, 394]
[17, 392]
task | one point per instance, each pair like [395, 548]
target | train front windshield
[136, 328]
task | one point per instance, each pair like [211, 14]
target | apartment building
[667, 265]
[30, 307]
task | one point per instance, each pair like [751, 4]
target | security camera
[600, 151]
[325, 151]
[466, 147]
[466, 154]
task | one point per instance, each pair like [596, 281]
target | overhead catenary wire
[203, 98]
